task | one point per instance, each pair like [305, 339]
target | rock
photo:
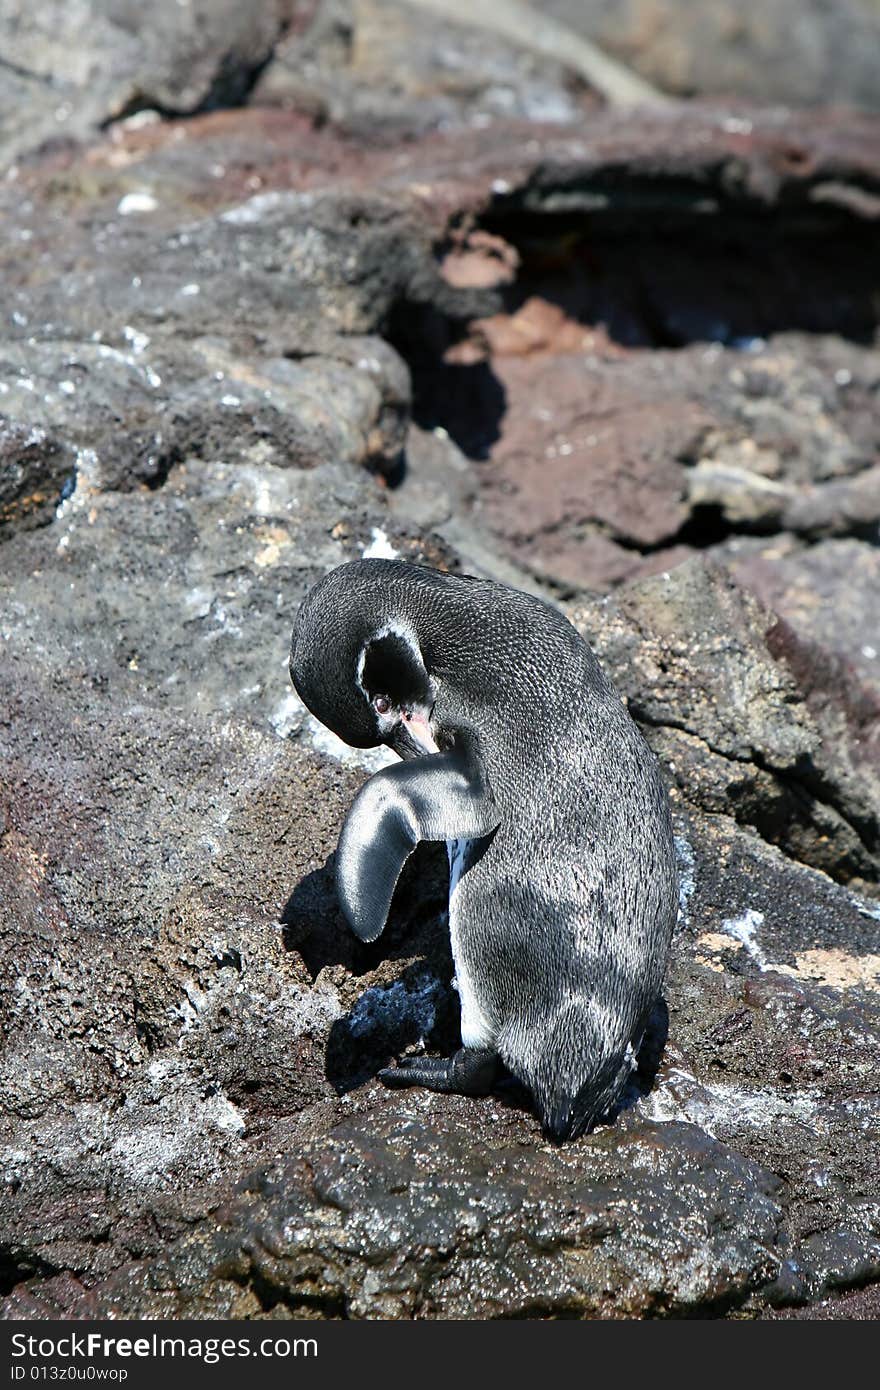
[34, 469]
[727, 702]
[437, 482]
[288, 348]
[773, 994]
[645, 392]
[427, 1215]
[798, 53]
[144, 371]
[450, 1207]
[72, 67]
[839, 508]
[399, 72]
[361, 64]
[140, 409]
[154, 859]
[587, 471]
[642, 460]
[861, 1305]
[824, 593]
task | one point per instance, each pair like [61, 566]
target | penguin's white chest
[476, 1031]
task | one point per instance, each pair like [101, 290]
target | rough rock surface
[70, 66]
[378, 67]
[643, 459]
[239, 348]
[396, 71]
[793, 51]
[731, 704]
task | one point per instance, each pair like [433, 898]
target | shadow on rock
[688, 280]
[314, 926]
[450, 389]
[398, 1008]
[418, 1007]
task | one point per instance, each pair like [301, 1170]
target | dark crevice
[271, 1296]
[45, 79]
[465, 399]
[652, 264]
[663, 266]
[806, 780]
[653, 269]
[17, 1266]
[156, 475]
[146, 1032]
[230, 87]
[705, 526]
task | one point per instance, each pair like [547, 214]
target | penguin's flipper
[440, 797]
[470, 1071]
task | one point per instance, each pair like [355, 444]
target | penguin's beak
[417, 723]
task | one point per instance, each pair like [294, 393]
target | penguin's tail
[568, 1116]
[579, 1078]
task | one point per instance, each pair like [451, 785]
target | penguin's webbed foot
[470, 1071]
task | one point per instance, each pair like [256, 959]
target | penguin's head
[359, 668]
[392, 676]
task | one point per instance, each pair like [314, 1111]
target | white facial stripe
[359, 673]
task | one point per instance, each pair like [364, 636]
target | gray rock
[431, 1217]
[825, 593]
[162, 799]
[142, 407]
[795, 51]
[395, 71]
[251, 337]
[437, 482]
[728, 703]
[74, 65]
[773, 994]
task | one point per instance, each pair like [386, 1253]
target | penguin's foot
[470, 1071]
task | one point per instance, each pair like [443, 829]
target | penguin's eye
[381, 704]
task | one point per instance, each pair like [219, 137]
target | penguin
[517, 751]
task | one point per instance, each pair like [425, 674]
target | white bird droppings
[136, 202]
[380, 548]
[290, 718]
[139, 341]
[743, 929]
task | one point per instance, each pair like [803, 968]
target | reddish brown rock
[589, 456]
